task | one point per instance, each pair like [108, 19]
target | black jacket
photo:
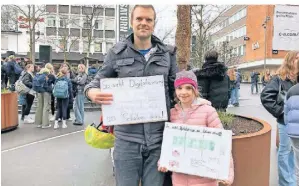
[269, 97]
[27, 80]
[214, 83]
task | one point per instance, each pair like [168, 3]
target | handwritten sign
[196, 150]
[135, 100]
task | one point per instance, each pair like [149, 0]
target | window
[86, 23]
[109, 46]
[75, 23]
[51, 21]
[4, 42]
[62, 45]
[243, 52]
[85, 46]
[63, 21]
[240, 49]
[97, 46]
[74, 46]
[98, 24]
[109, 24]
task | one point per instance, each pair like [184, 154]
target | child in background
[189, 111]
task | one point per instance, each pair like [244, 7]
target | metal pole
[265, 51]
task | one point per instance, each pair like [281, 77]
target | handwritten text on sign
[196, 150]
[135, 100]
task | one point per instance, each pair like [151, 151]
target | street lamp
[265, 34]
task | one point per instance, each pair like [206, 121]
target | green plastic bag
[97, 138]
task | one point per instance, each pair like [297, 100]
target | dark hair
[212, 54]
[143, 6]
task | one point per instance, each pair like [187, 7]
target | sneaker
[39, 126]
[52, 118]
[28, 120]
[77, 123]
[64, 124]
[47, 126]
[56, 126]
[59, 119]
[229, 106]
[70, 119]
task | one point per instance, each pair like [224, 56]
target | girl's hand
[161, 169]
[224, 182]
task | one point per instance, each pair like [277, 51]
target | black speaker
[45, 53]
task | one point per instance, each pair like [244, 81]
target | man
[137, 147]
[213, 81]
[254, 81]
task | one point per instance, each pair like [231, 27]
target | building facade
[67, 28]
[251, 31]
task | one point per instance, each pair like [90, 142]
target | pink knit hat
[185, 77]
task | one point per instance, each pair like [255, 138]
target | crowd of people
[60, 91]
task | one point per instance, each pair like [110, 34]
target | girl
[27, 79]
[62, 103]
[291, 113]
[272, 98]
[52, 76]
[189, 111]
[80, 81]
[266, 78]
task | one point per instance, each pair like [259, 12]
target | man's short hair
[212, 54]
[143, 6]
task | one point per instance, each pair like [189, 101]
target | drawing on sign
[144, 100]
[196, 150]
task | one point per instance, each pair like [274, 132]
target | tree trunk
[183, 36]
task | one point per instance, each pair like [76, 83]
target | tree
[183, 35]
[68, 37]
[228, 54]
[205, 16]
[9, 18]
[91, 15]
[29, 16]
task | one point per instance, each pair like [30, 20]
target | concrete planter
[251, 155]
[9, 111]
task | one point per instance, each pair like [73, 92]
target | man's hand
[96, 96]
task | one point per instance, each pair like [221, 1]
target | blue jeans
[252, 87]
[286, 162]
[136, 162]
[232, 99]
[79, 108]
[237, 95]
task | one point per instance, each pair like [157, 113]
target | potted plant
[9, 110]
[250, 148]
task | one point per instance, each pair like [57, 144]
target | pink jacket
[203, 115]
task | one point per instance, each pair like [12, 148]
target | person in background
[71, 76]
[189, 111]
[62, 103]
[266, 78]
[52, 76]
[254, 81]
[291, 119]
[238, 86]
[213, 81]
[80, 82]
[272, 98]
[27, 79]
[232, 80]
[42, 84]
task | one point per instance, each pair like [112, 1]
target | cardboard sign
[195, 150]
[135, 100]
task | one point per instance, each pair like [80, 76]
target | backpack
[21, 88]
[39, 83]
[17, 69]
[61, 89]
